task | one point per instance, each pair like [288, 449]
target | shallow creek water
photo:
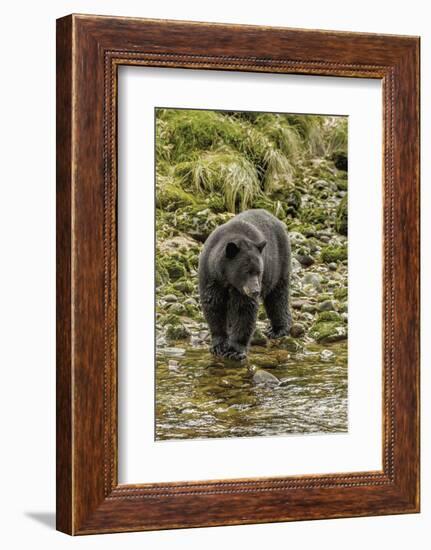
[198, 396]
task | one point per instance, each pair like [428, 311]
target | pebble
[333, 266]
[170, 298]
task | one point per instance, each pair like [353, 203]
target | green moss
[176, 332]
[315, 215]
[341, 293]
[185, 286]
[341, 217]
[334, 254]
[325, 316]
[170, 197]
[326, 332]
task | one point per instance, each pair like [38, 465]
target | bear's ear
[232, 250]
[261, 246]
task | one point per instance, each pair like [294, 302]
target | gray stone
[262, 377]
[313, 279]
[327, 305]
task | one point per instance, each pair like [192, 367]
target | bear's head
[244, 266]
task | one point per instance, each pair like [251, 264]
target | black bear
[244, 259]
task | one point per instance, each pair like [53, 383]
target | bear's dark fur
[242, 260]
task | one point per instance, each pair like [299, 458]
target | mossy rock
[176, 332]
[175, 268]
[325, 316]
[288, 343]
[341, 293]
[171, 197]
[333, 254]
[341, 217]
[170, 319]
[326, 332]
[185, 286]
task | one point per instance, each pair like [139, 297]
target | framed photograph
[237, 274]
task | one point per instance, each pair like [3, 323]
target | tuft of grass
[223, 171]
[337, 136]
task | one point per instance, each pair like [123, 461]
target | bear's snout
[252, 288]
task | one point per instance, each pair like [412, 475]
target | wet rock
[327, 305]
[288, 343]
[262, 377]
[297, 330]
[328, 331]
[259, 338]
[171, 352]
[173, 365]
[170, 298]
[333, 266]
[305, 259]
[327, 355]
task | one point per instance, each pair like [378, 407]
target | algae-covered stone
[327, 332]
[259, 338]
[177, 308]
[171, 197]
[335, 254]
[288, 343]
[328, 316]
[176, 332]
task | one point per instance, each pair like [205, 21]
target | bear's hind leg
[242, 322]
[278, 310]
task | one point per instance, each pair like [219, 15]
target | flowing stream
[274, 393]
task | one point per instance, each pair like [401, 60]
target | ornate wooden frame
[89, 51]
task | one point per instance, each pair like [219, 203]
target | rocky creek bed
[207, 170]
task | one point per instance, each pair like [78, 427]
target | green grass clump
[223, 171]
[334, 254]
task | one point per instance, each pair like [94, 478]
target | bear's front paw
[277, 332]
[235, 355]
[219, 349]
